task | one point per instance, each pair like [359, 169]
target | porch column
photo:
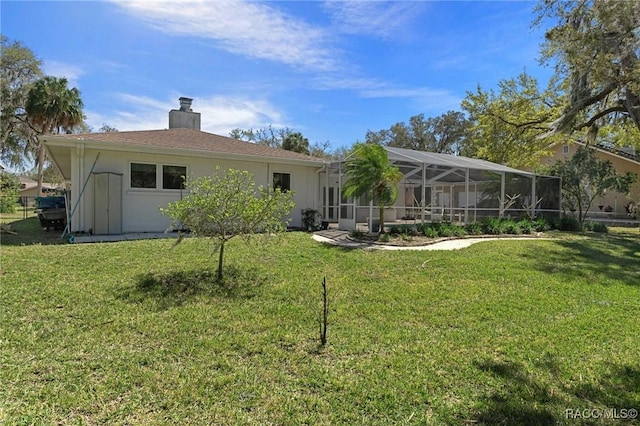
[502, 198]
[424, 192]
[325, 200]
[534, 202]
[80, 225]
[466, 192]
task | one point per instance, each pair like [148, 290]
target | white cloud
[71, 72]
[385, 20]
[251, 29]
[218, 114]
[426, 98]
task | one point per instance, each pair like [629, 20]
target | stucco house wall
[81, 157]
[622, 165]
[141, 206]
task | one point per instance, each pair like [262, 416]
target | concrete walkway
[331, 236]
[82, 239]
[341, 238]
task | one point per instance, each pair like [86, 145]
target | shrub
[493, 226]
[395, 230]
[384, 238]
[508, 226]
[356, 233]
[569, 223]
[474, 229]
[406, 237]
[459, 231]
[541, 225]
[310, 219]
[596, 227]
[430, 232]
[410, 230]
[445, 229]
[526, 226]
[9, 185]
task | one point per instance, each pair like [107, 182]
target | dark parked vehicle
[52, 212]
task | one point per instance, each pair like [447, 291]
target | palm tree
[296, 142]
[369, 174]
[52, 107]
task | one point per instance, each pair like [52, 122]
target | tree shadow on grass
[521, 400]
[593, 258]
[175, 288]
[525, 400]
[619, 388]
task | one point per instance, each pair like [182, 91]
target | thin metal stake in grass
[325, 313]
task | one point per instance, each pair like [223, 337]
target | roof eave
[152, 149]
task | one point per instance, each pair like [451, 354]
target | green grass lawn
[505, 332]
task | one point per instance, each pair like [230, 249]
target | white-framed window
[282, 181]
[144, 175]
[157, 176]
[565, 149]
[173, 177]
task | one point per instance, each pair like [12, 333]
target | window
[143, 175]
[565, 149]
[282, 181]
[173, 177]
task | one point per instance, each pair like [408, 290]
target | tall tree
[285, 138]
[226, 206]
[508, 126]
[445, 134]
[106, 128]
[52, 107]
[369, 174]
[296, 142]
[585, 177]
[19, 69]
[264, 135]
[595, 48]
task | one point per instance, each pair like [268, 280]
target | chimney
[184, 118]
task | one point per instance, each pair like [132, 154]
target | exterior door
[107, 205]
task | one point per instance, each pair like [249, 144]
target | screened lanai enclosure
[442, 187]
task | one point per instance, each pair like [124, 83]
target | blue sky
[331, 70]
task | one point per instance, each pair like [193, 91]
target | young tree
[585, 177]
[19, 69]
[226, 206]
[52, 107]
[369, 174]
[594, 48]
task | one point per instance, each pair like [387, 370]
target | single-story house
[120, 180]
[29, 188]
[612, 204]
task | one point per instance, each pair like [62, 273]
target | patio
[441, 187]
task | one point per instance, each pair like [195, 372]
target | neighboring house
[623, 160]
[120, 180]
[29, 188]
